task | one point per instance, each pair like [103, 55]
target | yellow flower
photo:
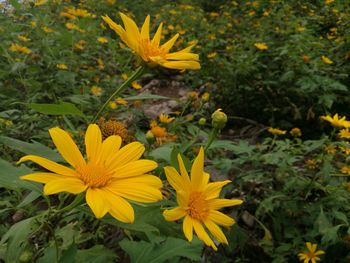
[68, 15]
[311, 163]
[327, 2]
[311, 254]
[121, 101]
[61, 66]
[344, 134]
[109, 174]
[79, 12]
[276, 131]
[330, 149]
[345, 170]
[199, 202]
[205, 96]
[18, 48]
[102, 40]
[326, 60]
[164, 118]
[33, 24]
[192, 95]
[23, 38]
[136, 85]
[40, 2]
[124, 76]
[71, 26]
[295, 132]
[96, 90]
[345, 150]
[112, 105]
[111, 2]
[80, 45]
[149, 50]
[212, 55]
[47, 29]
[261, 46]
[100, 64]
[337, 121]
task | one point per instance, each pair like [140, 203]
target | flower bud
[218, 119]
[202, 121]
[150, 137]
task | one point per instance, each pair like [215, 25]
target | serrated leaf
[63, 108]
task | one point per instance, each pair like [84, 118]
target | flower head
[261, 46]
[337, 121]
[276, 131]
[62, 66]
[345, 170]
[164, 118]
[295, 132]
[18, 48]
[218, 119]
[344, 134]
[199, 202]
[327, 60]
[150, 51]
[109, 174]
[311, 254]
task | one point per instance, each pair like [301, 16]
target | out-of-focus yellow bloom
[112, 105]
[212, 55]
[337, 121]
[136, 85]
[80, 45]
[121, 101]
[327, 2]
[345, 170]
[111, 2]
[47, 29]
[97, 91]
[33, 24]
[6, 122]
[150, 50]
[311, 163]
[124, 76]
[344, 134]
[214, 14]
[79, 12]
[295, 132]
[330, 149]
[71, 26]
[327, 60]
[192, 95]
[102, 40]
[345, 150]
[61, 66]
[100, 64]
[164, 118]
[310, 255]
[276, 131]
[23, 38]
[40, 2]
[261, 46]
[205, 96]
[68, 15]
[18, 48]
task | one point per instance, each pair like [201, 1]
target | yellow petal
[67, 184]
[132, 31]
[182, 56]
[119, 208]
[157, 36]
[202, 234]
[117, 28]
[136, 192]
[49, 165]
[220, 218]
[319, 252]
[174, 214]
[149, 180]
[217, 204]
[182, 198]
[67, 147]
[169, 44]
[174, 179]
[131, 152]
[95, 199]
[41, 177]
[145, 28]
[213, 189]
[181, 65]
[135, 168]
[215, 231]
[93, 142]
[197, 173]
[183, 170]
[187, 227]
[110, 147]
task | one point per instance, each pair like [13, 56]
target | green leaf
[147, 97]
[63, 108]
[68, 256]
[163, 152]
[31, 148]
[96, 254]
[144, 252]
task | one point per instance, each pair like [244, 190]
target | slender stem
[125, 84]
[212, 137]
[75, 203]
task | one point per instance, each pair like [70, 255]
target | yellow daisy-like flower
[337, 121]
[136, 85]
[102, 40]
[295, 132]
[150, 50]
[164, 118]
[311, 255]
[327, 60]
[18, 48]
[261, 46]
[344, 134]
[345, 170]
[109, 174]
[97, 91]
[61, 66]
[276, 131]
[199, 202]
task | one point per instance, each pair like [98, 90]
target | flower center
[197, 206]
[150, 51]
[94, 175]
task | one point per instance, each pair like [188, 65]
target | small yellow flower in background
[6, 122]
[124, 76]
[214, 14]
[71, 26]
[160, 133]
[68, 15]
[110, 175]
[344, 134]
[276, 131]
[327, 2]
[112, 105]
[311, 163]
[199, 202]
[111, 2]
[337, 121]
[23, 38]
[330, 149]
[136, 85]
[61, 66]
[102, 40]
[311, 255]
[261, 46]
[345, 170]
[40, 2]
[212, 55]
[192, 95]
[295, 132]
[121, 101]
[164, 118]
[47, 29]
[79, 12]
[18, 48]
[205, 96]
[150, 50]
[97, 91]
[326, 60]
[33, 24]
[80, 45]
[113, 127]
[345, 150]
[100, 64]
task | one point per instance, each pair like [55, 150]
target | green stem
[125, 84]
[212, 137]
[75, 203]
